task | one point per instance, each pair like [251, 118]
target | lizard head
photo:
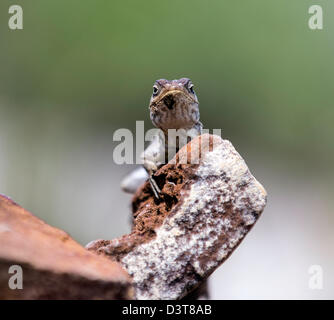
[174, 104]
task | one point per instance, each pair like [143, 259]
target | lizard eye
[155, 90]
[191, 89]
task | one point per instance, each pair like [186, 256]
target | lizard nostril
[169, 102]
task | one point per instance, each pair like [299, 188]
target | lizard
[173, 105]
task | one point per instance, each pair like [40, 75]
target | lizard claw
[156, 190]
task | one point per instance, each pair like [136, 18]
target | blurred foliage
[260, 73]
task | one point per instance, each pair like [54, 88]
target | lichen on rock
[209, 202]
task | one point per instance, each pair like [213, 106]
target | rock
[54, 265]
[209, 202]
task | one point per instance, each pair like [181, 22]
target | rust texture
[54, 265]
[207, 206]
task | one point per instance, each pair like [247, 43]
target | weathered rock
[54, 265]
[209, 202]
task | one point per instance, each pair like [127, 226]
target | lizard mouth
[171, 97]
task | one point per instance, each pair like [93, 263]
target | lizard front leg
[153, 157]
[155, 188]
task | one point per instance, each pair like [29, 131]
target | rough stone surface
[209, 202]
[54, 265]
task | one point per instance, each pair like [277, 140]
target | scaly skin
[173, 105]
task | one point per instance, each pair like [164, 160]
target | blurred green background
[81, 69]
